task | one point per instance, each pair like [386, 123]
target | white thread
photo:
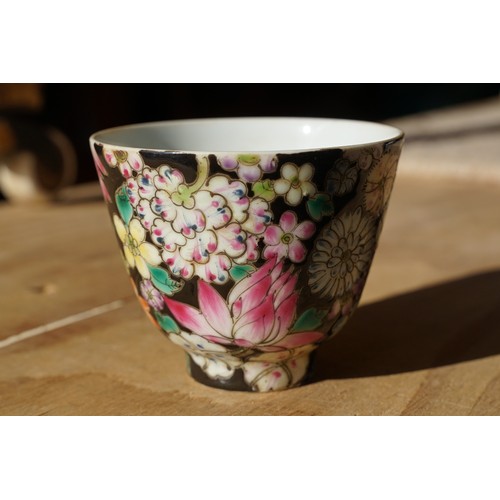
[75, 318]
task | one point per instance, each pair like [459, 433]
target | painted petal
[294, 196]
[285, 315]
[306, 172]
[200, 248]
[305, 230]
[279, 251]
[288, 221]
[150, 253]
[308, 188]
[215, 270]
[191, 318]
[177, 265]
[189, 222]
[137, 231]
[289, 171]
[168, 178]
[257, 323]
[281, 186]
[231, 240]
[296, 251]
[254, 296]
[129, 257]
[283, 292]
[235, 194]
[273, 235]
[300, 339]
[268, 163]
[164, 236]
[228, 162]
[259, 217]
[142, 267]
[249, 173]
[109, 157]
[120, 228]
[214, 308]
[250, 281]
[135, 161]
[251, 253]
[214, 208]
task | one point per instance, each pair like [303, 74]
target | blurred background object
[78, 110]
[36, 159]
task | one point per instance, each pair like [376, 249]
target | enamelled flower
[379, 184]
[258, 314]
[285, 240]
[295, 183]
[138, 252]
[202, 227]
[342, 252]
[249, 168]
[126, 161]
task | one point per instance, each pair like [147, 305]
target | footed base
[254, 376]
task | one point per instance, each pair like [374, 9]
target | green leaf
[264, 189]
[123, 204]
[240, 272]
[320, 206]
[309, 320]
[167, 323]
[163, 282]
[249, 159]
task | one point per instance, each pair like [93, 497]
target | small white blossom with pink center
[285, 240]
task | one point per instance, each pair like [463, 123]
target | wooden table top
[424, 341]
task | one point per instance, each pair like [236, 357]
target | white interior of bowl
[247, 134]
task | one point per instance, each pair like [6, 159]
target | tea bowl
[248, 240]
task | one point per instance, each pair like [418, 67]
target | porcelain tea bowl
[248, 240]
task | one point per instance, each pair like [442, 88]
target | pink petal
[277, 271]
[285, 291]
[254, 296]
[296, 251]
[273, 235]
[285, 315]
[300, 339]
[305, 230]
[190, 318]
[250, 281]
[280, 282]
[288, 221]
[279, 251]
[257, 323]
[214, 308]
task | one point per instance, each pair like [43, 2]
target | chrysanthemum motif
[342, 178]
[342, 253]
[379, 184]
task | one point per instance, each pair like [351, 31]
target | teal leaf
[123, 204]
[240, 272]
[320, 206]
[309, 320]
[167, 323]
[163, 281]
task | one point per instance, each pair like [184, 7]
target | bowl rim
[397, 135]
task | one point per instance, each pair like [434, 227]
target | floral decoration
[255, 260]
[342, 253]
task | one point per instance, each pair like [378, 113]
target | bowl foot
[255, 376]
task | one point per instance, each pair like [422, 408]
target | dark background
[81, 109]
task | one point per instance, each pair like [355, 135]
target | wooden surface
[425, 340]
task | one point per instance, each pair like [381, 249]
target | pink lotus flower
[259, 312]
